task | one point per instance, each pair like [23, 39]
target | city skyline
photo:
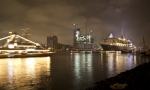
[56, 17]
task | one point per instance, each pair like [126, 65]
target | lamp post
[86, 26]
[74, 26]
[91, 40]
[91, 33]
[74, 41]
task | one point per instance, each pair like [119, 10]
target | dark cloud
[56, 17]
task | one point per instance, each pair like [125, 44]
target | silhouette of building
[52, 42]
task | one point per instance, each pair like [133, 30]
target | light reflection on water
[64, 71]
[118, 62]
[83, 69]
[23, 73]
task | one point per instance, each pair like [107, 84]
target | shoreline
[137, 78]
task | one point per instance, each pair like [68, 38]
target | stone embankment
[137, 78]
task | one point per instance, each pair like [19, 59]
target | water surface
[64, 71]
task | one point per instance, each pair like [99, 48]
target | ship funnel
[122, 37]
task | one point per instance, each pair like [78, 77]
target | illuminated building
[82, 41]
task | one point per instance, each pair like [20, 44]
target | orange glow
[19, 70]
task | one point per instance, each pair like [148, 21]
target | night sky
[56, 17]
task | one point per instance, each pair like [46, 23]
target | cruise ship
[116, 44]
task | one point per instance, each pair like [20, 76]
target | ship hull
[126, 51]
[111, 47]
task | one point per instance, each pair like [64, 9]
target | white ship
[18, 46]
[116, 44]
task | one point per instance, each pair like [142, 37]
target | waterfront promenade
[137, 78]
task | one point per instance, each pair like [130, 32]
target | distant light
[30, 49]
[8, 40]
[10, 46]
[37, 44]
[15, 44]
[15, 40]
[10, 32]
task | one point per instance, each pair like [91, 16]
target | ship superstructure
[116, 44]
[18, 44]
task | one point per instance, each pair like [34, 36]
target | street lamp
[74, 25]
[91, 33]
